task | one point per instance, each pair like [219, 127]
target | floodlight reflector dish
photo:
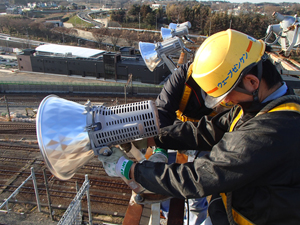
[63, 141]
[149, 55]
[165, 33]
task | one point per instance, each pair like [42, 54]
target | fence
[13, 195]
[85, 88]
[73, 212]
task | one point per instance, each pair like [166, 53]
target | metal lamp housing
[153, 53]
[70, 134]
[178, 32]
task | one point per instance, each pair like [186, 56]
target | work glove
[159, 155]
[117, 164]
[140, 144]
[188, 152]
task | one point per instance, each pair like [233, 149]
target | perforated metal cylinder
[124, 123]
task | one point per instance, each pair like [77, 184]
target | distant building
[86, 62]
[156, 6]
[14, 10]
[57, 23]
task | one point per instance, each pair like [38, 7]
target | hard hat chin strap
[259, 76]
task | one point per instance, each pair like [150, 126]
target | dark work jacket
[259, 162]
[168, 100]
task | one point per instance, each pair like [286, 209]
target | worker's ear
[250, 82]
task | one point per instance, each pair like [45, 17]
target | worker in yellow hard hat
[252, 164]
[221, 74]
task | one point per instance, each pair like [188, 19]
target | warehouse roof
[66, 49]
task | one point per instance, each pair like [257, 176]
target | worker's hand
[188, 152]
[117, 164]
[140, 144]
[159, 155]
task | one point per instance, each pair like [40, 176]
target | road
[8, 38]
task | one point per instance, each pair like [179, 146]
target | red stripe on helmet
[249, 46]
[213, 90]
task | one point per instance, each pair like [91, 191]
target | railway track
[12, 128]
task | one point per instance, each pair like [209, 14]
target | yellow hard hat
[220, 60]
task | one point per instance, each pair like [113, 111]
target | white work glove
[117, 164]
[188, 152]
[159, 155]
[140, 144]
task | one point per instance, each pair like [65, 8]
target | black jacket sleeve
[168, 100]
[200, 135]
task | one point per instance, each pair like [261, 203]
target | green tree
[118, 15]
[134, 10]
[145, 9]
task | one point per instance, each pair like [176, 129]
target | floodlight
[177, 25]
[154, 54]
[287, 32]
[169, 33]
[70, 134]
[178, 30]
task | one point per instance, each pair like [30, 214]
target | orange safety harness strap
[239, 218]
[185, 97]
[184, 100]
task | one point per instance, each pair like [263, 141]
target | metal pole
[36, 190]
[88, 200]
[8, 113]
[79, 216]
[48, 195]
[125, 94]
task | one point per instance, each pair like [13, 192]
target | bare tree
[130, 36]
[65, 32]
[115, 36]
[10, 25]
[100, 35]
[146, 37]
[3, 20]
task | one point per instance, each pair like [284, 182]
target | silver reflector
[149, 55]
[64, 143]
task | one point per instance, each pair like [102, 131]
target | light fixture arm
[169, 62]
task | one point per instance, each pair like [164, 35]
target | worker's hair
[270, 73]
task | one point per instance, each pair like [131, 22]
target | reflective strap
[238, 218]
[187, 91]
[184, 118]
[287, 107]
[213, 113]
[236, 119]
